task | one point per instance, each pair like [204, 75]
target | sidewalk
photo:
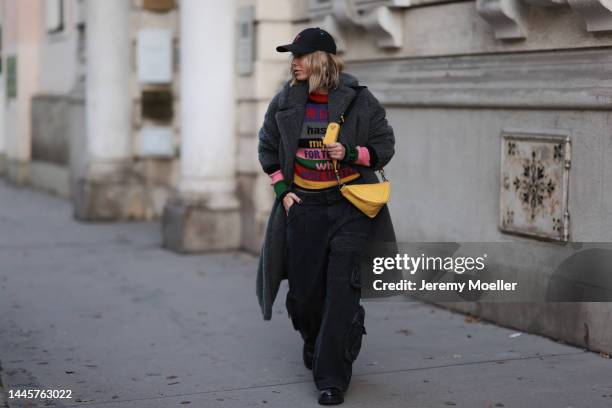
[102, 310]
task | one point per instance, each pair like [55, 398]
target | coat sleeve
[381, 140]
[269, 135]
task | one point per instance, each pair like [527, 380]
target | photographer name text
[411, 286]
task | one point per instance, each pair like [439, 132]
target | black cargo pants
[326, 235]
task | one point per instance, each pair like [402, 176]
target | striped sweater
[313, 169]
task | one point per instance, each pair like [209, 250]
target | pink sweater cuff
[276, 176]
[363, 156]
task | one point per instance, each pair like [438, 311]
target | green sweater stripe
[311, 164]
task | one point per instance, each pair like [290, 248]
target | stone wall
[156, 156]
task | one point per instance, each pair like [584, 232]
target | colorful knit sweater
[313, 169]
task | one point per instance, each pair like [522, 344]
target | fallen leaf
[471, 319]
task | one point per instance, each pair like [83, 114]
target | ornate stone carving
[505, 16]
[596, 13]
[378, 17]
[534, 181]
[345, 12]
[386, 25]
[331, 25]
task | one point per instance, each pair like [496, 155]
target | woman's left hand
[335, 151]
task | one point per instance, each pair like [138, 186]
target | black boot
[331, 396]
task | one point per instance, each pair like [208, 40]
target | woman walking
[315, 237]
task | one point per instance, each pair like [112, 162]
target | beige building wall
[21, 43]
[158, 170]
[138, 187]
[58, 49]
[43, 141]
[59, 99]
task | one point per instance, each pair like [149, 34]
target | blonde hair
[323, 70]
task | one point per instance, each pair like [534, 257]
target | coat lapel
[289, 124]
[289, 119]
[339, 100]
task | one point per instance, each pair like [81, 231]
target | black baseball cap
[310, 40]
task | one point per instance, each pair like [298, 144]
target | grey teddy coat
[278, 143]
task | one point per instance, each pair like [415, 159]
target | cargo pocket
[290, 305]
[356, 277]
[354, 335]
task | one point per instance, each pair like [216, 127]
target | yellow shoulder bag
[369, 198]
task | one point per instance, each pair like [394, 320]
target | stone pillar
[104, 188]
[204, 213]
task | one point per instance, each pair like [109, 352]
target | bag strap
[349, 108]
[341, 121]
